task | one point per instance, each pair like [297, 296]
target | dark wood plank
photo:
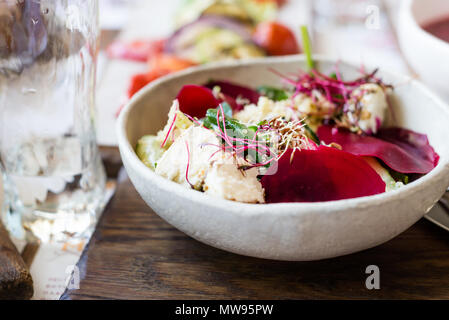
[136, 255]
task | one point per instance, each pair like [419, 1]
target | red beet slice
[402, 150]
[236, 91]
[414, 143]
[196, 100]
[324, 174]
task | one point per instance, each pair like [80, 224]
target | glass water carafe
[55, 178]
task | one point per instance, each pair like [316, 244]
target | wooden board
[136, 255]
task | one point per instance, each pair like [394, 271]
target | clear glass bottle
[55, 178]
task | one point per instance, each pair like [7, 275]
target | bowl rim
[407, 11]
[285, 209]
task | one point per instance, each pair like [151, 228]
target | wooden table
[136, 255]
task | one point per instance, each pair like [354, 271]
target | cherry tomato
[280, 3]
[276, 39]
[160, 65]
[140, 80]
[168, 62]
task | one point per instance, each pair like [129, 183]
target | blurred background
[359, 31]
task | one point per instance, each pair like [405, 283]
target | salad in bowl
[315, 137]
[253, 157]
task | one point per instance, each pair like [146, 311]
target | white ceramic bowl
[287, 231]
[426, 54]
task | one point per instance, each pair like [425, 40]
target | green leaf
[227, 109]
[211, 115]
[253, 128]
[333, 75]
[234, 129]
[273, 93]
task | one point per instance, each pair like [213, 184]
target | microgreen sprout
[172, 125]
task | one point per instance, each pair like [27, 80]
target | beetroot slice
[235, 91]
[324, 174]
[232, 102]
[400, 149]
[414, 143]
[196, 100]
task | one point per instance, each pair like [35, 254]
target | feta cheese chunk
[191, 149]
[225, 180]
[266, 109]
[316, 106]
[290, 109]
[372, 101]
[217, 173]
